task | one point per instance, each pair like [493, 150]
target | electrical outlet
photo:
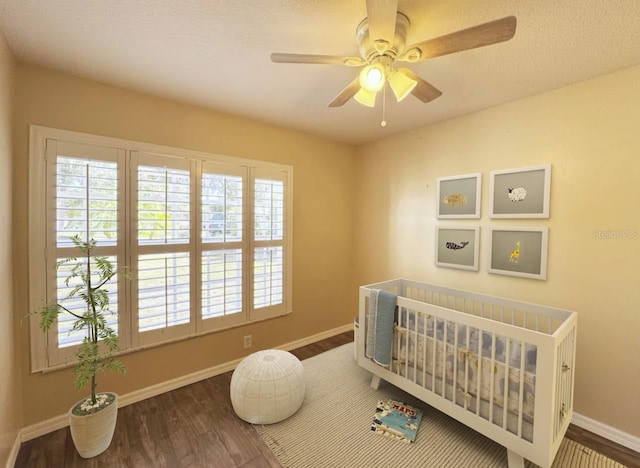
[247, 341]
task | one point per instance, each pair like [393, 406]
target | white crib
[502, 367]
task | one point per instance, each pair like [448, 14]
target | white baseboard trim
[173, 384]
[13, 453]
[44, 427]
[58, 422]
[317, 337]
[608, 432]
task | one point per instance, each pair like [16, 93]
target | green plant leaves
[90, 275]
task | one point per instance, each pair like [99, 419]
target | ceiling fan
[381, 39]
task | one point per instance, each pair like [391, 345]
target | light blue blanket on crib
[382, 307]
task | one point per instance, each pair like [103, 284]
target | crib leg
[375, 382]
[515, 460]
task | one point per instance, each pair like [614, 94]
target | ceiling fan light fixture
[401, 84]
[381, 39]
[366, 98]
[372, 77]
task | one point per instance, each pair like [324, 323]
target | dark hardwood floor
[195, 426]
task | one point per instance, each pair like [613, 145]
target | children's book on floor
[396, 420]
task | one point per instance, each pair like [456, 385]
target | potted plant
[93, 419]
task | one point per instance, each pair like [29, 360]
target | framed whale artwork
[457, 247]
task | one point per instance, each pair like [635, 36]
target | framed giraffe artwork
[459, 196]
[520, 193]
[519, 251]
[457, 247]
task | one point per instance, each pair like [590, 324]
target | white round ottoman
[267, 386]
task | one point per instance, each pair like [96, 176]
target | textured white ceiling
[216, 53]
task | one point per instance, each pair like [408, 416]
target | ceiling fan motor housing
[371, 48]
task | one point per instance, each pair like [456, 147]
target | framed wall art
[520, 193]
[518, 251]
[459, 196]
[457, 247]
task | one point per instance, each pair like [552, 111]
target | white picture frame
[459, 197]
[457, 247]
[520, 193]
[519, 251]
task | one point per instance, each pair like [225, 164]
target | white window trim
[37, 234]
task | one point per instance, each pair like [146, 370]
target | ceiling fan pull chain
[384, 106]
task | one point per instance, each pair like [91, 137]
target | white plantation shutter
[268, 276]
[163, 251]
[87, 202]
[271, 249]
[164, 207]
[163, 290]
[221, 206]
[221, 283]
[86, 205]
[222, 245]
[206, 238]
[67, 338]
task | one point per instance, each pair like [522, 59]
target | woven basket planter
[92, 433]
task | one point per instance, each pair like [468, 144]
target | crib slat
[558, 390]
[467, 363]
[562, 380]
[454, 381]
[424, 350]
[405, 358]
[444, 358]
[507, 356]
[571, 347]
[399, 347]
[433, 353]
[521, 392]
[491, 376]
[563, 374]
[416, 317]
[479, 372]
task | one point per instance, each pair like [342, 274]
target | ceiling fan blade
[323, 59]
[424, 91]
[346, 94]
[382, 20]
[477, 36]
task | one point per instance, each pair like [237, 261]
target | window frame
[41, 154]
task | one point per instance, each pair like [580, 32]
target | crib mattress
[495, 371]
[483, 409]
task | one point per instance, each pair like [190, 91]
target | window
[206, 238]
[268, 286]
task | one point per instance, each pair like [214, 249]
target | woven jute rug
[331, 429]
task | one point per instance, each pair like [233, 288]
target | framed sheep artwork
[459, 196]
[518, 251]
[457, 247]
[520, 193]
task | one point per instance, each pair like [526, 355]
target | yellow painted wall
[323, 212]
[380, 203]
[590, 133]
[10, 404]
